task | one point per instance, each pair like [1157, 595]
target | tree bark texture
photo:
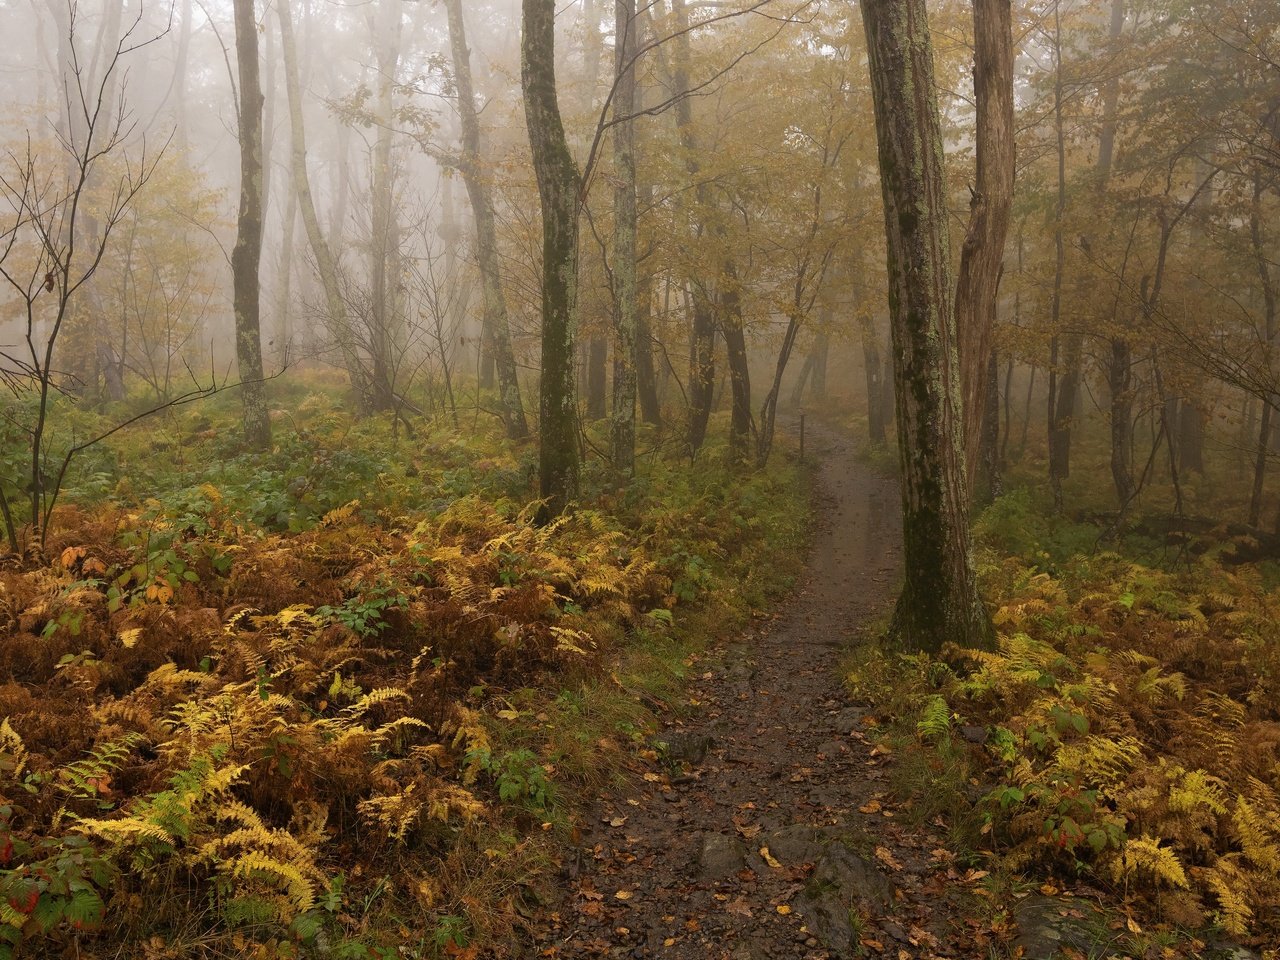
[940, 601]
[558, 192]
[247, 253]
[496, 325]
[982, 254]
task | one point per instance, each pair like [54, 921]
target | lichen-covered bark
[940, 601]
[982, 253]
[496, 325]
[623, 427]
[247, 253]
[558, 192]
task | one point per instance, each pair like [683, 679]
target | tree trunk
[735, 341]
[247, 253]
[877, 409]
[940, 601]
[597, 381]
[988, 481]
[558, 192]
[1120, 381]
[646, 373]
[496, 323]
[1272, 323]
[384, 246]
[1061, 396]
[335, 304]
[284, 279]
[821, 351]
[702, 366]
[982, 253]
[624, 238]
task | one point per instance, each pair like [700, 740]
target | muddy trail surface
[762, 827]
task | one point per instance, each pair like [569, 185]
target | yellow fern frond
[124, 830]
[1100, 762]
[1256, 836]
[12, 744]
[1145, 855]
[1234, 912]
[256, 864]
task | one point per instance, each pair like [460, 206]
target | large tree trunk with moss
[558, 192]
[623, 427]
[982, 253]
[496, 324]
[247, 253]
[940, 601]
[337, 319]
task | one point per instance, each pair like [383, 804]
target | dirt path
[772, 755]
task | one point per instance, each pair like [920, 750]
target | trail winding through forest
[763, 829]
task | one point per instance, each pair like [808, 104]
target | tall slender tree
[940, 600]
[982, 253]
[624, 237]
[496, 335]
[247, 253]
[338, 318]
[559, 187]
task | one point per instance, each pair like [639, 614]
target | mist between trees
[611, 212]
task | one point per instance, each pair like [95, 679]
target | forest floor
[760, 826]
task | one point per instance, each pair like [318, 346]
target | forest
[741, 479]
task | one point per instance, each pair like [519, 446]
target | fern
[1257, 837]
[257, 865]
[1234, 912]
[1145, 855]
[935, 719]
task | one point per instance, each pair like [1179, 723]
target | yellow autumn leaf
[770, 859]
[783, 909]
[129, 638]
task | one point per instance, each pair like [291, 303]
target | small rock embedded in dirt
[797, 844]
[975, 734]
[684, 747]
[848, 720]
[1046, 925]
[720, 856]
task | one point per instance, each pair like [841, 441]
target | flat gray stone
[720, 857]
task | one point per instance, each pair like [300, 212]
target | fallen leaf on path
[623, 895]
[783, 909]
[887, 858]
[769, 858]
[739, 907]
[616, 821]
